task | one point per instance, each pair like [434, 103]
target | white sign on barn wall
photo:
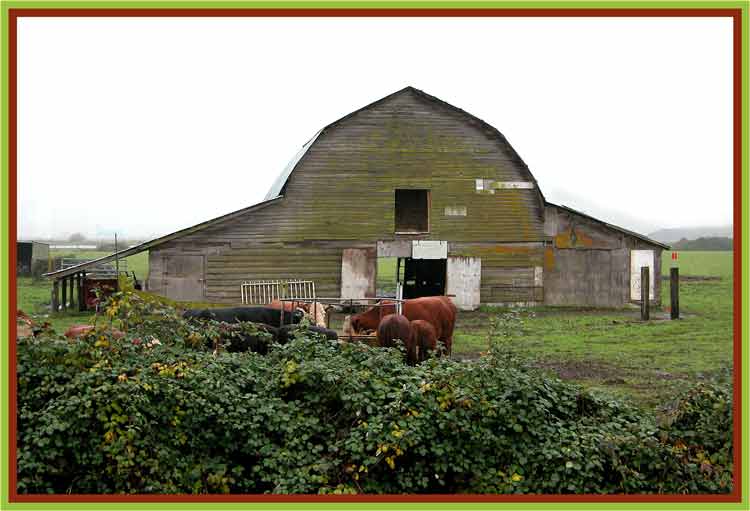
[638, 259]
[427, 249]
[464, 277]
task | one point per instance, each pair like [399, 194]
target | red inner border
[735, 14]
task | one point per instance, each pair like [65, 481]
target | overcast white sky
[149, 125]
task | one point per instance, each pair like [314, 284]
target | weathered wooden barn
[413, 177]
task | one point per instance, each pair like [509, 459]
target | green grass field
[137, 263]
[614, 350]
[609, 350]
[34, 295]
[386, 280]
[710, 264]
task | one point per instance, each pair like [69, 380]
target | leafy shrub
[159, 411]
[699, 427]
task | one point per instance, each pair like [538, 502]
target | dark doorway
[412, 211]
[424, 277]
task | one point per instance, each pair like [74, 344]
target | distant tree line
[709, 243]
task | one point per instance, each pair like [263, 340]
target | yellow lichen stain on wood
[549, 259]
[573, 238]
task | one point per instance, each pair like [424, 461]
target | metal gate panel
[262, 292]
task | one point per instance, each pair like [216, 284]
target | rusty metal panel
[400, 248]
[358, 271]
[638, 259]
[464, 281]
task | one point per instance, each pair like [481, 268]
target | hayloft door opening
[412, 212]
[424, 277]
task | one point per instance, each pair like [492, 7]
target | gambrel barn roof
[279, 185]
[278, 188]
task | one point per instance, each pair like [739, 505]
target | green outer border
[5, 245]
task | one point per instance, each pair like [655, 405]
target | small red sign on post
[674, 256]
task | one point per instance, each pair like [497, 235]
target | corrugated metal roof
[278, 185]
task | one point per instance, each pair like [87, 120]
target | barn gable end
[588, 262]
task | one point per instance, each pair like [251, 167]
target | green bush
[133, 415]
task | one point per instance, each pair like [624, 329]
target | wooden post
[674, 287]
[73, 290]
[645, 284]
[117, 267]
[77, 290]
[55, 295]
[81, 298]
[65, 293]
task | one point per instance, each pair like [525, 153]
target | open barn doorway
[424, 277]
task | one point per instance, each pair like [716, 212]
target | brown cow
[436, 310]
[396, 326]
[423, 338]
[76, 331]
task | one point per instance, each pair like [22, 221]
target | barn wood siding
[589, 263]
[226, 271]
[507, 270]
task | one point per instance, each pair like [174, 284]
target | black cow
[258, 342]
[286, 333]
[265, 315]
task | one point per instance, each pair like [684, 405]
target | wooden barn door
[464, 280]
[184, 277]
[358, 272]
[639, 258]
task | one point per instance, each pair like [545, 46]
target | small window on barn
[412, 211]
